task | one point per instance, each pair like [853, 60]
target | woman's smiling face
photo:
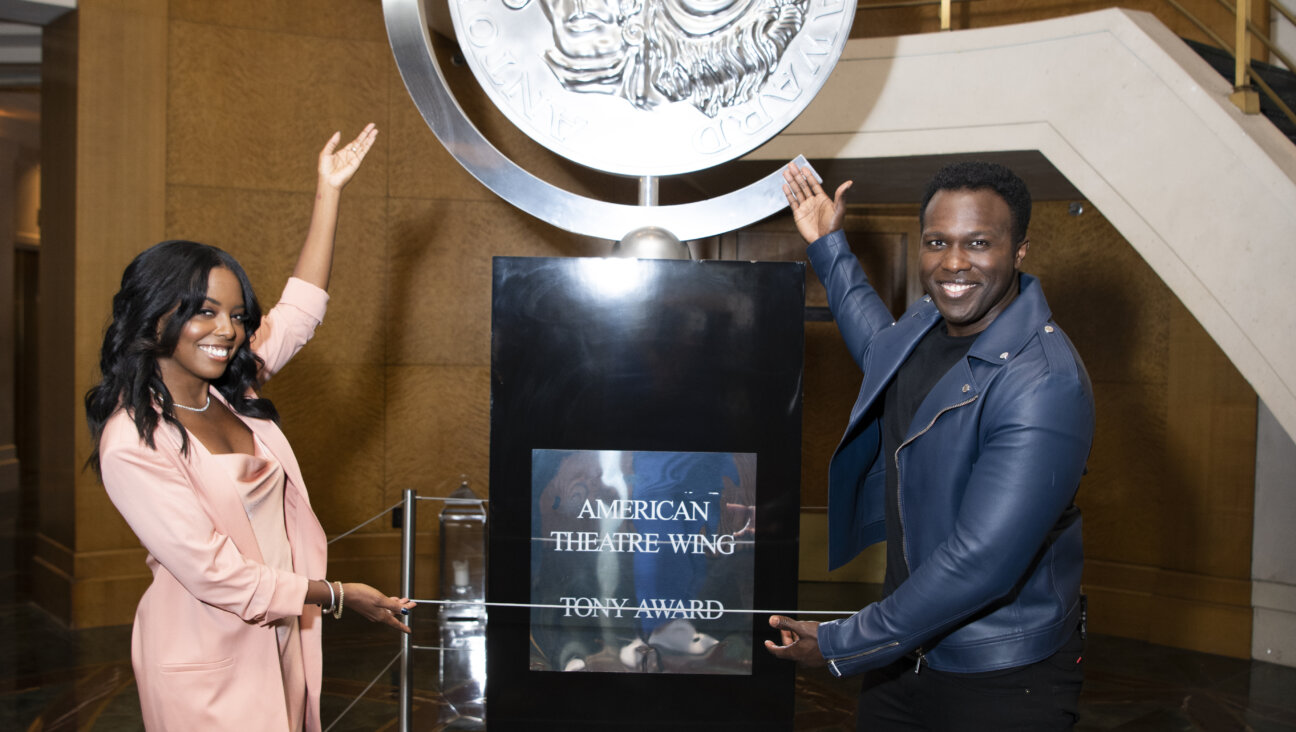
[209, 339]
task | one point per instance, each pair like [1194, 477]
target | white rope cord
[483, 502]
[393, 507]
[366, 691]
[543, 606]
[448, 499]
[359, 526]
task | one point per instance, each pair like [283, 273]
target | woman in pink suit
[227, 637]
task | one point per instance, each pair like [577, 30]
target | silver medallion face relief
[651, 87]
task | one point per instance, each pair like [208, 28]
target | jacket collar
[995, 346]
[1009, 332]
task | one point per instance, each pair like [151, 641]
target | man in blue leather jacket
[964, 451]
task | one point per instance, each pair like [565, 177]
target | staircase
[1278, 78]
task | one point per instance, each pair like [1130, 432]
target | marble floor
[52, 678]
[55, 679]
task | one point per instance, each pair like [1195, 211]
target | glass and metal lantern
[462, 618]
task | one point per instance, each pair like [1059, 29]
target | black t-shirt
[931, 359]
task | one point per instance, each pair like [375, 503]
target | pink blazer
[204, 655]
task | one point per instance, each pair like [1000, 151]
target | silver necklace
[203, 408]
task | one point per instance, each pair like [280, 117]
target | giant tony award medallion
[692, 83]
[645, 88]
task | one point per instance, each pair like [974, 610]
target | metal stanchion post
[407, 590]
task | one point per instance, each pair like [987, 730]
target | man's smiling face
[968, 260]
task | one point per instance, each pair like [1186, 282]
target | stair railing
[1244, 96]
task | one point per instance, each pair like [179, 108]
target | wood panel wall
[213, 135]
[1168, 499]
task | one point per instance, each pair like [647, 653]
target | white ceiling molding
[35, 12]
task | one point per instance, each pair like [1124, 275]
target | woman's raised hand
[337, 165]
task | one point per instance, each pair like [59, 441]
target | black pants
[1041, 696]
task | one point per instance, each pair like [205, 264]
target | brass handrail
[1269, 46]
[1243, 60]
[1200, 25]
[894, 4]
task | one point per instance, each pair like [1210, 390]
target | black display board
[664, 363]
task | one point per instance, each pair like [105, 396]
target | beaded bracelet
[337, 611]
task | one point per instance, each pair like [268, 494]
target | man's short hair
[974, 175]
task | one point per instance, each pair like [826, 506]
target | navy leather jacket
[987, 475]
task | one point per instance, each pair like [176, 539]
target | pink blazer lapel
[222, 495]
[217, 490]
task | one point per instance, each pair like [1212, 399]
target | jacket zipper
[904, 545]
[869, 652]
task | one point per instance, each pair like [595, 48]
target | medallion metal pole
[648, 190]
[407, 590]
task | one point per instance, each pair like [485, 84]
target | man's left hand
[800, 641]
[815, 214]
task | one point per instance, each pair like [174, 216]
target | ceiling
[20, 39]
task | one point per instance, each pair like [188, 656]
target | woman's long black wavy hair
[170, 277]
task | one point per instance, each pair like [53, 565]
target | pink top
[260, 482]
